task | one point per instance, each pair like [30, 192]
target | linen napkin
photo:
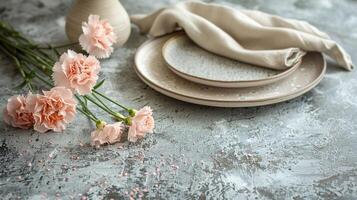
[249, 36]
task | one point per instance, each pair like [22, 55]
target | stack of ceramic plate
[175, 66]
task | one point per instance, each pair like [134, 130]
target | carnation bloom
[52, 110]
[141, 123]
[76, 72]
[98, 37]
[107, 134]
[17, 114]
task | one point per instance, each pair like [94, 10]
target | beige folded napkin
[249, 36]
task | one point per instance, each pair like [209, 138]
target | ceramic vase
[112, 10]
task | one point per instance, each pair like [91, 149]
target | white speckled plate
[151, 68]
[193, 63]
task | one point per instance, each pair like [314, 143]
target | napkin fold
[249, 36]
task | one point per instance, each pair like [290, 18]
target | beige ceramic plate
[151, 68]
[191, 62]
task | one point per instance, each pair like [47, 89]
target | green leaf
[98, 84]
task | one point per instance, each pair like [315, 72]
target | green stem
[90, 117]
[27, 48]
[42, 69]
[40, 78]
[14, 58]
[19, 67]
[60, 46]
[111, 100]
[29, 54]
[38, 58]
[54, 50]
[118, 117]
[100, 101]
[86, 109]
[100, 106]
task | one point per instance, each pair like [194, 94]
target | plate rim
[229, 104]
[283, 97]
[222, 83]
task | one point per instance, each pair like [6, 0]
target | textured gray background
[301, 149]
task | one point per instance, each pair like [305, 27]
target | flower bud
[132, 112]
[127, 121]
[100, 124]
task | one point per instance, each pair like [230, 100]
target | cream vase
[112, 10]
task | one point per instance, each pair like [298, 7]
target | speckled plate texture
[193, 63]
[152, 69]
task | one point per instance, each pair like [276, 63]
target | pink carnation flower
[98, 37]
[109, 134]
[142, 123]
[76, 72]
[17, 114]
[52, 110]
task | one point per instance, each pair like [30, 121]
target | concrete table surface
[301, 149]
